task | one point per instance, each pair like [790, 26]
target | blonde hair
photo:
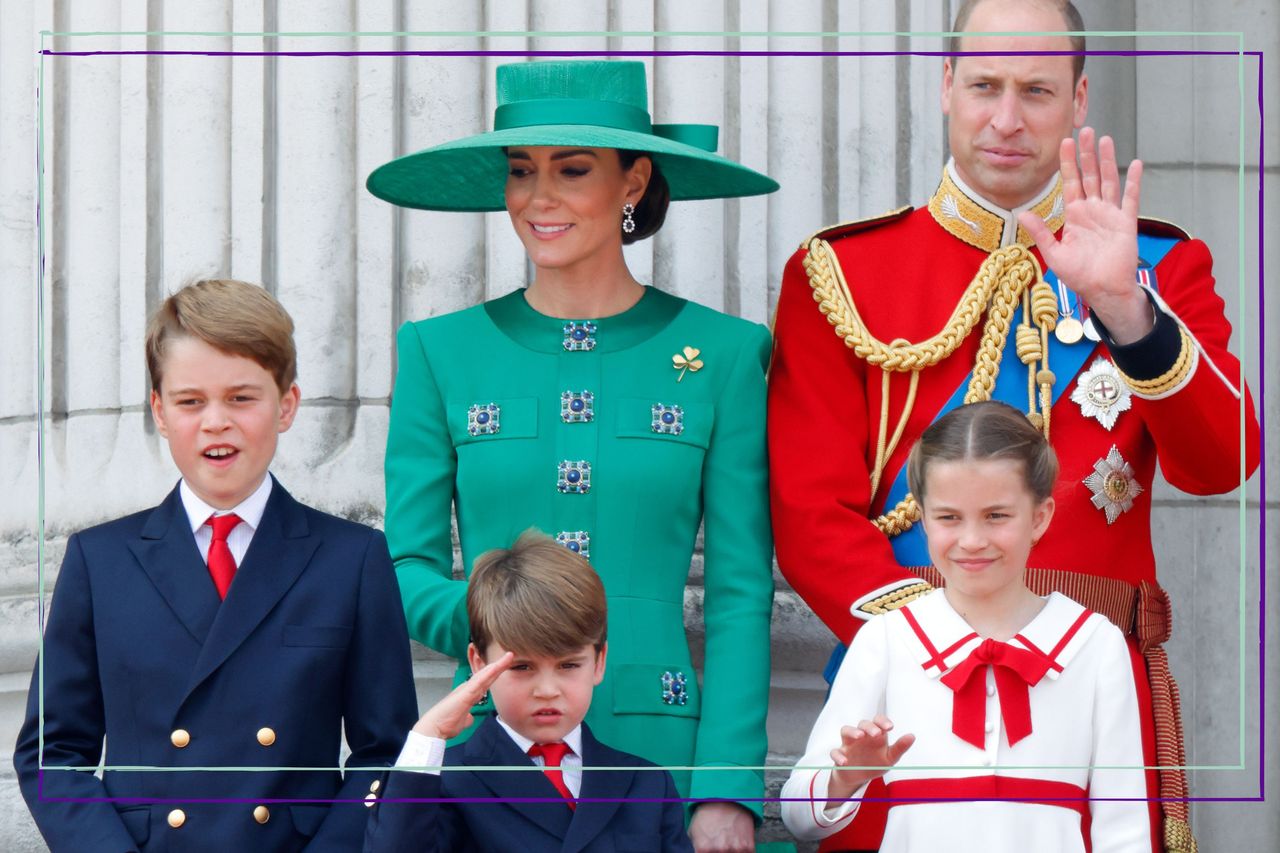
[987, 430]
[233, 316]
[536, 597]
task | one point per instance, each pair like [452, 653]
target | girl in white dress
[1019, 712]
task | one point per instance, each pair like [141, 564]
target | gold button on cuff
[375, 785]
[266, 736]
[180, 738]
[370, 800]
[177, 818]
[262, 814]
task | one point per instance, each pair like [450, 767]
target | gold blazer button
[262, 814]
[266, 736]
[180, 738]
[177, 818]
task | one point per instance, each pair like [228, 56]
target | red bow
[1015, 670]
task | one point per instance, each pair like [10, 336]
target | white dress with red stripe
[1037, 733]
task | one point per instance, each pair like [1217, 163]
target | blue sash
[910, 548]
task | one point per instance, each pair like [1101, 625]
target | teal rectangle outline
[1241, 326]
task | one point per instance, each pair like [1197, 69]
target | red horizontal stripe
[1043, 792]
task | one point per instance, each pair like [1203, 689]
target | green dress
[586, 431]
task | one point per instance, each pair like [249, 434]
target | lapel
[609, 786]
[166, 551]
[282, 547]
[491, 747]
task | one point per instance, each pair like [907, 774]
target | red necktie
[1015, 670]
[222, 566]
[552, 754]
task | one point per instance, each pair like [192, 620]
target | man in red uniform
[884, 324]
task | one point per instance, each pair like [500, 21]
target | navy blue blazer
[626, 822]
[310, 642]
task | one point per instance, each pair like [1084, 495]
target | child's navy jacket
[310, 642]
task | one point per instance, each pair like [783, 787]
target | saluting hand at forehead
[1097, 256]
[452, 714]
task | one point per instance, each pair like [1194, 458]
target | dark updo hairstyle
[989, 430]
[651, 212]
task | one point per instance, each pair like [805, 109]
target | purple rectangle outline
[560, 799]
[644, 53]
[1261, 395]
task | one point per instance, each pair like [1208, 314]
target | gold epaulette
[1162, 228]
[841, 229]
[899, 597]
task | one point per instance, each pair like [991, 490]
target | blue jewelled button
[667, 420]
[577, 408]
[674, 688]
[574, 478]
[577, 541]
[579, 336]
[483, 419]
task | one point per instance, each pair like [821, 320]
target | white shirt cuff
[420, 752]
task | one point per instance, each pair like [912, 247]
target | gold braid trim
[831, 292]
[1171, 378]
[895, 599]
[1000, 283]
[1178, 837]
[900, 518]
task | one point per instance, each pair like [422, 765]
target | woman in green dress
[611, 415]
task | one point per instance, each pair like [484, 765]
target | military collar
[513, 315]
[978, 222]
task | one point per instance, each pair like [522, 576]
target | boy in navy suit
[538, 618]
[229, 627]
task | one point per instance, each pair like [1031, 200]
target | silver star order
[1102, 394]
[1113, 485]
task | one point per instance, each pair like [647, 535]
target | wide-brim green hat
[593, 104]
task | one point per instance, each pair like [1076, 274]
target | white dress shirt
[425, 754]
[250, 511]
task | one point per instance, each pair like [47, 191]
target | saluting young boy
[538, 643]
[229, 627]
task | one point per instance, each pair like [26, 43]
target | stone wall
[161, 169]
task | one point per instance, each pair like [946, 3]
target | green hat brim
[470, 174]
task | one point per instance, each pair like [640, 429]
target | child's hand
[864, 745]
[452, 714]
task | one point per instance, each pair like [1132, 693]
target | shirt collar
[573, 739]
[954, 639]
[250, 509]
[968, 216]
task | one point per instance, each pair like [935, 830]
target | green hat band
[704, 136]
[555, 111]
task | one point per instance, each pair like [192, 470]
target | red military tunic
[906, 272]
